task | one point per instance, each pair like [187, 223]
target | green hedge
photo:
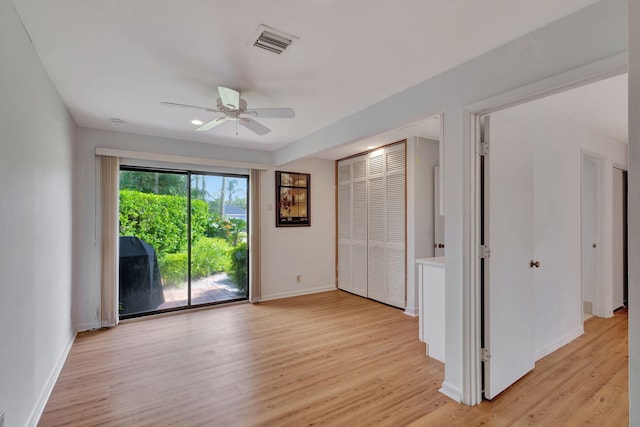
[161, 220]
[239, 266]
[173, 269]
[209, 256]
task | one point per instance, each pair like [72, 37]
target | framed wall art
[293, 199]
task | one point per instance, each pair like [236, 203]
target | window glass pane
[153, 241]
[219, 255]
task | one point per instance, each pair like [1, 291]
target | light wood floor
[323, 359]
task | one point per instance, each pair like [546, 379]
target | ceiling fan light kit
[233, 107]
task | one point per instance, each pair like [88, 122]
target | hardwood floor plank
[324, 359]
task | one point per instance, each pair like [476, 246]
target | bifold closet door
[344, 225]
[395, 202]
[371, 225]
[377, 262]
[359, 226]
[352, 226]
[386, 215]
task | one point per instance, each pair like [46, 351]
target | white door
[619, 251]
[344, 225]
[438, 219]
[590, 242]
[508, 282]
[352, 225]
[395, 217]
[377, 248]
[359, 226]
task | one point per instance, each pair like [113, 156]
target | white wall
[634, 211]
[584, 45]
[311, 250]
[36, 136]
[422, 157]
[306, 251]
[558, 146]
[86, 278]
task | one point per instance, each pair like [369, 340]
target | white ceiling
[121, 58]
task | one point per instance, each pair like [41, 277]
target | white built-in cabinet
[372, 225]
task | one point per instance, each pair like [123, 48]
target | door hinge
[484, 355]
[484, 251]
[483, 148]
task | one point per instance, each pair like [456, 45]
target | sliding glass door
[182, 240]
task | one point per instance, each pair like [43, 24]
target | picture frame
[293, 199]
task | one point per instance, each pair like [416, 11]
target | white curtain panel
[254, 237]
[109, 241]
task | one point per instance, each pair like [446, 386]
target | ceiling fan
[232, 107]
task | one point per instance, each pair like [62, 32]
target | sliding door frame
[188, 173]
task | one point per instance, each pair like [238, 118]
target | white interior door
[509, 316]
[590, 242]
[438, 219]
[618, 238]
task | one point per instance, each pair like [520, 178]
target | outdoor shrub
[161, 220]
[239, 266]
[231, 229]
[173, 269]
[209, 255]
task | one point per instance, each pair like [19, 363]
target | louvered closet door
[359, 227]
[395, 225]
[344, 225]
[377, 263]
[371, 225]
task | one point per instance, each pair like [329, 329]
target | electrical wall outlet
[298, 278]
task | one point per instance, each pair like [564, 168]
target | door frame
[472, 296]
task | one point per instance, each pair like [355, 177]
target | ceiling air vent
[273, 40]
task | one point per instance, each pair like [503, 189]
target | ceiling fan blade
[212, 123]
[254, 126]
[191, 107]
[273, 113]
[229, 97]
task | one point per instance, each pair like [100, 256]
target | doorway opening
[531, 191]
[183, 240]
[620, 258]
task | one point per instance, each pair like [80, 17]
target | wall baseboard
[451, 391]
[412, 311]
[297, 293]
[34, 419]
[545, 351]
[87, 327]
